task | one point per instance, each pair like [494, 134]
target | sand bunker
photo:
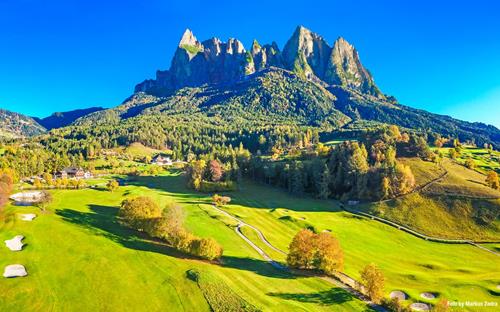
[15, 244]
[420, 306]
[428, 295]
[28, 216]
[401, 295]
[27, 197]
[14, 270]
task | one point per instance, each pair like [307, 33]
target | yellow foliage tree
[492, 180]
[373, 281]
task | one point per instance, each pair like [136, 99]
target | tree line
[145, 215]
[367, 169]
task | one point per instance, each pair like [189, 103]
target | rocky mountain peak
[345, 69]
[188, 39]
[306, 53]
[234, 46]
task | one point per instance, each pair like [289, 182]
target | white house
[161, 160]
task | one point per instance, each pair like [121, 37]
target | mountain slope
[272, 95]
[365, 107]
[218, 67]
[17, 125]
[62, 119]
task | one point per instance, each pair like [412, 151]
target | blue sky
[442, 56]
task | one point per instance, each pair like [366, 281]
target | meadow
[79, 258]
[452, 206]
[410, 264]
[484, 159]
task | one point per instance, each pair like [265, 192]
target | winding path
[342, 280]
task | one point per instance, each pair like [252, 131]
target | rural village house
[74, 172]
[161, 160]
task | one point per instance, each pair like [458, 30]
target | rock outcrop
[306, 53]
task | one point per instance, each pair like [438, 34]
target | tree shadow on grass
[102, 221]
[335, 295]
[176, 186]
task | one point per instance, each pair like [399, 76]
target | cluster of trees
[29, 160]
[315, 251]
[6, 185]
[182, 134]
[143, 214]
[351, 170]
[217, 171]
[47, 181]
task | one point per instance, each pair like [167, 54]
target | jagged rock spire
[306, 53]
[188, 39]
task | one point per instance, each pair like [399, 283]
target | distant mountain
[62, 119]
[212, 75]
[16, 125]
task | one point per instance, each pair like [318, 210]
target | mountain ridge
[16, 125]
[62, 119]
[216, 62]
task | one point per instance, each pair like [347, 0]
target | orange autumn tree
[315, 251]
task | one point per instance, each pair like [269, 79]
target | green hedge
[211, 187]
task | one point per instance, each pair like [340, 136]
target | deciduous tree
[373, 282]
[215, 170]
[492, 180]
[301, 250]
[139, 212]
[112, 185]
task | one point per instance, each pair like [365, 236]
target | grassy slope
[483, 159]
[78, 258]
[437, 211]
[409, 263]
[462, 181]
[138, 150]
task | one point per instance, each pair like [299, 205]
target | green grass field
[483, 158]
[457, 272]
[79, 258]
[139, 150]
[452, 207]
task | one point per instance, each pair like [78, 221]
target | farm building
[74, 172]
[161, 160]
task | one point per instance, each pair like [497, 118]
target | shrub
[210, 187]
[206, 248]
[112, 185]
[220, 200]
[394, 305]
